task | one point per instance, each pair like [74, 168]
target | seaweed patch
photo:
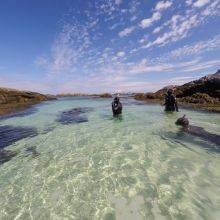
[6, 155]
[74, 116]
[33, 151]
[10, 134]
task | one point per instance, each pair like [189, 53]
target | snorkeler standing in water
[116, 107]
[170, 102]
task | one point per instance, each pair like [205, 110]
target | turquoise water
[137, 167]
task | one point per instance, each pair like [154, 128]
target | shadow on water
[182, 137]
[74, 116]
[110, 117]
[118, 118]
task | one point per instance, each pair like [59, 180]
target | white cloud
[149, 21]
[201, 3]
[212, 10]
[181, 24]
[133, 18]
[189, 2]
[202, 66]
[121, 54]
[104, 64]
[118, 2]
[162, 5]
[179, 29]
[157, 30]
[197, 48]
[144, 39]
[126, 31]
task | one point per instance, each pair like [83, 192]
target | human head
[170, 91]
[183, 121]
[116, 99]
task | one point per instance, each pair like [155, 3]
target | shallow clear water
[138, 167]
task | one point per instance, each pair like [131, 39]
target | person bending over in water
[197, 131]
[116, 107]
[170, 102]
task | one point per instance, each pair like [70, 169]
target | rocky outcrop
[105, 95]
[202, 93]
[13, 100]
[14, 96]
[209, 85]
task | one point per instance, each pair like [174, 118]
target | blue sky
[91, 46]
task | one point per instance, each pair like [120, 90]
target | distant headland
[203, 93]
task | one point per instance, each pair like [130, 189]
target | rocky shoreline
[201, 94]
[12, 100]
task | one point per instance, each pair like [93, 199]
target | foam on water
[133, 168]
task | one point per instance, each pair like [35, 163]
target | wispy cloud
[162, 5]
[197, 48]
[107, 51]
[126, 31]
[180, 25]
[149, 21]
[201, 3]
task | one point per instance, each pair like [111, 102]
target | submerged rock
[74, 116]
[6, 155]
[10, 134]
[33, 151]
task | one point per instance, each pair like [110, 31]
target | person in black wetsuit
[170, 102]
[116, 107]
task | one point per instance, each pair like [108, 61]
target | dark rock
[6, 155]
[140, 96]
[24, 113]
[203, 93]
[200, 98]
[12, 100]
[74, 116]
[183, 121]
[10, 134]
[209, 85]
[10, 96]
[105, 95]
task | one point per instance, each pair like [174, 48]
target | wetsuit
[116, 108]
[170, 103]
